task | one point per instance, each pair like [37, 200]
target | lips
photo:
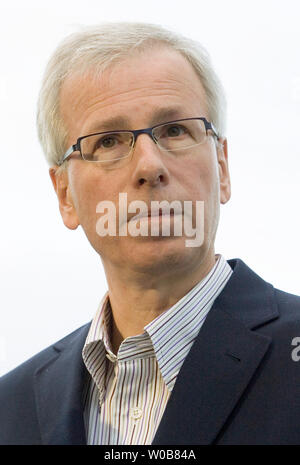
[154, 208]
[149, 214]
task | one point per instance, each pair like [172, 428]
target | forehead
[138, 86]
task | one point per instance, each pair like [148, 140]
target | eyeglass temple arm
[211, 126]
[68, 153]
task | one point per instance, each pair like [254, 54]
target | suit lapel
[58, 387]
[221, 362]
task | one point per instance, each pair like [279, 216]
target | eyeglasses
[114, 148]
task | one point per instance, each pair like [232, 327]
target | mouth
[150, 214]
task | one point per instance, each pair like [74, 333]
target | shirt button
[112, 358]
[136, 413]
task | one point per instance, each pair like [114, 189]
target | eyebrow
[160, 115]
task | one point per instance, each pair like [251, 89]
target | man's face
[151, 88]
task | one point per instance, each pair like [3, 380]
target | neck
[135, 302]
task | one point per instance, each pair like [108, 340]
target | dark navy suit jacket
[238, 385]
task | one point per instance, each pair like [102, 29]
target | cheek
[86, 192]
[204, 185]
[90, 187]
[202, 177]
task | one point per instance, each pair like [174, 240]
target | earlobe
[66, 206]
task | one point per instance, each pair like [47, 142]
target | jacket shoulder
[46, 355]
[288, 323]
[289, 302]
[18, 415]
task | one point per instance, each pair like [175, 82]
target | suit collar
[247, 297]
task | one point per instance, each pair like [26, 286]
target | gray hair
[102, 45]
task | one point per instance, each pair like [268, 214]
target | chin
[163, 255]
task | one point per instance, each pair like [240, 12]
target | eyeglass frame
[135, 133]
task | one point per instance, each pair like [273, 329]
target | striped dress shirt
[128, 392]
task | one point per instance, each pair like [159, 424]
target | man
[185, 348]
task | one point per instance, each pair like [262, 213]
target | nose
[148, 161]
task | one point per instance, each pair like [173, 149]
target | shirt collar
[99, 330]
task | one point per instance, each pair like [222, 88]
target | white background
[51, 279]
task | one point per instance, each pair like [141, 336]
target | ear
[224, 178]
[61, 186]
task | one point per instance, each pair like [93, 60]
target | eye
[107, 142]
[175, 130]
